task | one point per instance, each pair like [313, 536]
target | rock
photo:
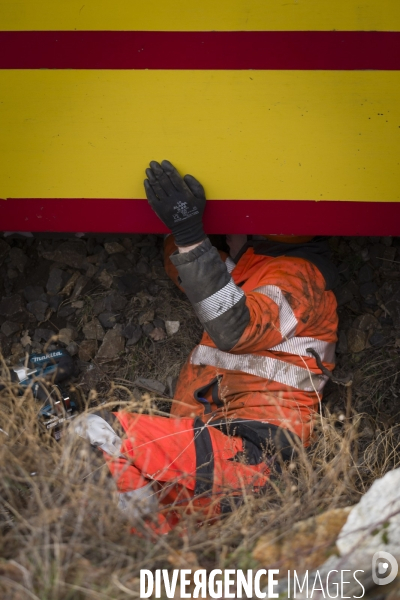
[105, 279]
[368, 289]
[393, 307]
[70, 253]
[158, 272]
[91, 245]
[366, 322]
[66, 335]
[157, 334]
[378, 339]
[128, 242]
[386, 320]
[55, 281]
[118, 262]
[354, 306]
[66, 311]
[364, 254]
[91, 271]
[344, 271]
[147, 328]
[150, 384]
[93, 330]
[38, 309]
[92, 376]
[172, 327]
[26, 340]
[146, 316]
[134, 336]
[153, 288]
[342, 346]
[113, 302]
[12, 273]
[12, 306]
[9, 328]
[305, 546]
[112, 345]
[365, 274]
[128, 284]
[5, 344]
[374, 523]
[142, 267]
[343, 295]
[72, 348]
[69, 286]
[389, 258]
[79, 285]
[78, 304]
[388, 290]
[159, 323]
[149, 252]
[108, 319]
[113, 247]
[129, 330]
[356, 340]
[43, 334]
[87, 350]
[33, 292]
[376, 254]
[18, 259]
[387, 241]
[4, 250]
[17, 350]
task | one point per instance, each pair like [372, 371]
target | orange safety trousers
[195, 467]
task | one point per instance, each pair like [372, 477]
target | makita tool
[44, 374]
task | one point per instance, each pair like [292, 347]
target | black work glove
[178, 202]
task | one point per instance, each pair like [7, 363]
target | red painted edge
[301, 217]
[200, 50]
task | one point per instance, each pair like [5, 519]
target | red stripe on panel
[329, 50]
[302, 217]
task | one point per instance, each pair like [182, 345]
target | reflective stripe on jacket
[260, 317]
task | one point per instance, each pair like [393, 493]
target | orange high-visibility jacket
[267, 378]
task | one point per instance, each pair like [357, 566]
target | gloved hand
[178, 202]
[97, 432]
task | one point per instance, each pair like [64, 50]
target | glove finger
[151, 176]
[151, 196]
[162, 178]
[155, 184]
[195, 186]
[174, 176]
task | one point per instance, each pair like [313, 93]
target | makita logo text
[44, 356]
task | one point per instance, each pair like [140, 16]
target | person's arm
[219, 303]
[170, 247]
[235, 321]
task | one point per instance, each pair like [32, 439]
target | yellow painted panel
[198, 15]
[324, 135]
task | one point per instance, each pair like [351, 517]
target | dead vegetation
[62, 537]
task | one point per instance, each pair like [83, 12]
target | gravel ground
[108, 301]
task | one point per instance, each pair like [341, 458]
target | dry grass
[62, 537]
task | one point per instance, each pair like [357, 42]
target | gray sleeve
[219, 303]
